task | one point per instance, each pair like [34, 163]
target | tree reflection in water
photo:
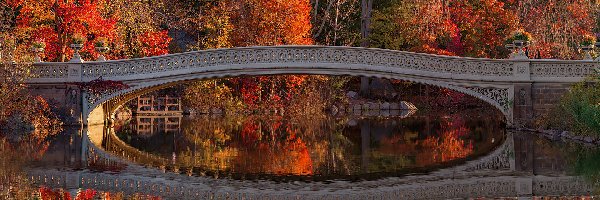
[322, 147]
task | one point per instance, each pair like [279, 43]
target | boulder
[394, 106]
[334, 110]
[351, 94]
[352, 123]
[365, 107]
[373, 106]
[564, 134]
[407, 106]
[385, 106]
[356, 107]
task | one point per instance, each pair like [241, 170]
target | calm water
[327, 148]
[424, 156]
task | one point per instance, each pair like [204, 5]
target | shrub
[578, 110]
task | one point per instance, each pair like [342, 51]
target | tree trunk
[366, 8]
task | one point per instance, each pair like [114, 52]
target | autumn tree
[336, 22]
[267, 22]
[55, 22]
[139, 28]
[557, 26]
[455, 27]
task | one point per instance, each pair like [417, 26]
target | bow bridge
[519, 88]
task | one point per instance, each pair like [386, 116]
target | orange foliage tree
[557, 26]
[267, 22]
[454, 27]
[55, 22]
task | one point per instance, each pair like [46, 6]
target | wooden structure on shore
[159, 106]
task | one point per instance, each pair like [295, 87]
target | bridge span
[520, 88]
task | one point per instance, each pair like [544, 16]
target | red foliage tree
[557, 26]
[267, 22]
[55, 22]
[155, 43]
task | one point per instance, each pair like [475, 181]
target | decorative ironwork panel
[576, 69]
[50, 71]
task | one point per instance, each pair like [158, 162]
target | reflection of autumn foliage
[88, 194]
[280, 152]
[47, 193]
[448, 146]
[32, 143]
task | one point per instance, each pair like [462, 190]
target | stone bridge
[519, 88]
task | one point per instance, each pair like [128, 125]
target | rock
[352, 123]
[374, 106]
[216, 111]
[334, 110]
[548, 132]
[564, 134]
[385, 106]
[407, 106]
[351, 94]
[356, 107]
[18, 128]
[365, 107]
[588, 139]
[394, 106]
[385, 113]
[580, 138]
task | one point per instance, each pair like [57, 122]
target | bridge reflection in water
[522, 165]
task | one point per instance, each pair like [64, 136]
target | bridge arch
[495, 95]
[485, 79]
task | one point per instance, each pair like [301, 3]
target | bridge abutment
[523, 105]
[65, 99]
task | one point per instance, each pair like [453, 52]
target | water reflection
[71, 162]
[319, 148]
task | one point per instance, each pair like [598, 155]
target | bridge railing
[545, 70]
[311, 59]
